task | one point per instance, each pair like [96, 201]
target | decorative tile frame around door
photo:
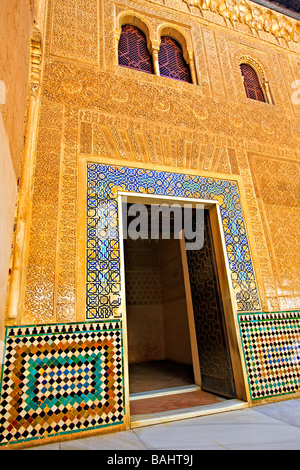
[103, 275]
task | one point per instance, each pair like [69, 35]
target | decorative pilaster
[17, 280]
[35, 61]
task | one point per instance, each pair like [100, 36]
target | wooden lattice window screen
[171, 60]
[133, 51]
[251, 83]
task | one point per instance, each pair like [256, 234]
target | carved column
[155, 49]
[192, 69]
[268, 92]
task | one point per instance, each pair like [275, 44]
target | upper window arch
[252, 84]
[171, 60]
[133, 51]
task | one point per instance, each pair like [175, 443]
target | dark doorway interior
[159, 346]
[159, 349]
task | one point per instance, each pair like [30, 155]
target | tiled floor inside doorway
[163, 386]
[157, 375]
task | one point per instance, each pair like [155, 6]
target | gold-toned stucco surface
[92, 108]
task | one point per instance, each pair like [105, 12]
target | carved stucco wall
[91, 107]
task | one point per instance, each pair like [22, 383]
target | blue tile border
[103, 277]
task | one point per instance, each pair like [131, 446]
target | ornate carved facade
[95, 129]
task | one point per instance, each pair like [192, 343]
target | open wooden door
[209, 340]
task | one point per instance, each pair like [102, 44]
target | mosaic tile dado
[271, 343]
[60, 379]
[103, 244]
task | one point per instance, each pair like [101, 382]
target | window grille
[251, 83]
[171, 60]
[133, 52]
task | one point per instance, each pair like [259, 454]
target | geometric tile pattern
[103, 283]
[271, 343]
[59, 379]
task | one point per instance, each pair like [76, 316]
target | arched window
[251, 83]
[171, 60]
[133, 51]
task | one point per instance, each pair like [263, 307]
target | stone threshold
[163, 392]
[150, 419]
